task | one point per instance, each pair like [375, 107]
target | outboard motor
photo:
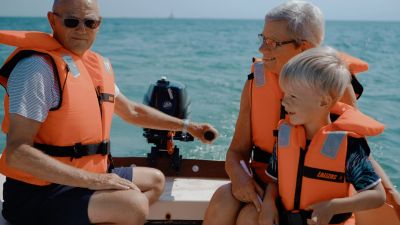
[169, 97]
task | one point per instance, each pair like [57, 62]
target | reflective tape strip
[107, 65]
[284, 135]
[259, 74]
[332, 143]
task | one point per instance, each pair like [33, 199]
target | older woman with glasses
[289, 29]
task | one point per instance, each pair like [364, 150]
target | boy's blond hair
[320, 69]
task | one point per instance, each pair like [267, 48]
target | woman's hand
[245, 189]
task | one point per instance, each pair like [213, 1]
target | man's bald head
[59, 5]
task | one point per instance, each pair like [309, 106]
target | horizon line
[205, 18]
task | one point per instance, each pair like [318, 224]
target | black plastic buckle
[77, 151]
[260, 155]
[104, 148]
[295, 219]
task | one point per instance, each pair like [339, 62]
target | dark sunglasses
[74, 22]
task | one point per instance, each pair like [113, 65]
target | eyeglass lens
[268, 42]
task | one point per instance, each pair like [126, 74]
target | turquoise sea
[212, 57]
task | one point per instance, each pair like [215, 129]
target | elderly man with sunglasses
[58, 112]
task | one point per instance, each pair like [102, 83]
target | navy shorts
[53, 204]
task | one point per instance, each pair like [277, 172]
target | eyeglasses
[74, 22]
[272, 44]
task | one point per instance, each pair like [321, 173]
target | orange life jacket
[266, 97]
[82, 121]
[306, 177]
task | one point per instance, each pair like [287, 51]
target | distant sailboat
[171, 15]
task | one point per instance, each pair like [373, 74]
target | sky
[370, 10]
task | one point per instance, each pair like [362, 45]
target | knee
[223, 207]
[223, 199]
[158, 180]
[224, 194]
[137, 208]
[248, 215]
[122, 207]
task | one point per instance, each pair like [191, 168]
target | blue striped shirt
[32, 88]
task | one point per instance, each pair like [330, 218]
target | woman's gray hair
[318, 68]
[305, 20]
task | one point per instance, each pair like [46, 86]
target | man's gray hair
[305, 20]
[318, 68]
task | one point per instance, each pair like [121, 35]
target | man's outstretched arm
[145, 116]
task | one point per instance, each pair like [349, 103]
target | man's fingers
[129, 184]
[134, 187]
[122, 183]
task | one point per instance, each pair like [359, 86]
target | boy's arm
[369, 199]
[392, 195]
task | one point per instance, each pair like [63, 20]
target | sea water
[213, 57]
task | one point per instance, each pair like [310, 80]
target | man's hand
[269, 214]
[199, 129]
[322, 213]
[245, 189]
[107, 181]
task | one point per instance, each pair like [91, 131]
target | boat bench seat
[184, 198]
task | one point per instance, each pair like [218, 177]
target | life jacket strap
[275, 133]
[250, 76]
[7, 68]
[357, 86]
[282, 114]
[260, 155]
[75, 151]
[300, 217]
[105, 97]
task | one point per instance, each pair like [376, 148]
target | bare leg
[150, 181]
[119, 207]
[223, 207]
[248, 215]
